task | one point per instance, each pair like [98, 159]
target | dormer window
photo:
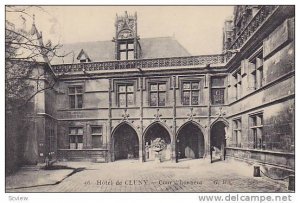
[83, 57]
[126, 50]
[83, 60]
[126, 39]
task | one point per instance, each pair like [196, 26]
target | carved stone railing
[262, 14]
[140, 63]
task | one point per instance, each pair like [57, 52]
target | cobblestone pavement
[185, 176]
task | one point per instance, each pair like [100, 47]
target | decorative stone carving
[125, 34]
[125, 115]
[261, 15]
[142, 63]
[221, 112]
[191, 115]
[157, 115]
[125, 26]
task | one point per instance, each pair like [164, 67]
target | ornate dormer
[83, 57]
[126, 40]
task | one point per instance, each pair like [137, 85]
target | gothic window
[256, 131]
[76, 137]
[126, 50]
[76, 97]
[237, 84]
[157, 94]
[218, 90]
[257, 71]
[125, 94]
[237, 132]
[190, 92]
[96, 132]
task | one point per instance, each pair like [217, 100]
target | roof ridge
[156, 37]
[112, 41]
[87, 42]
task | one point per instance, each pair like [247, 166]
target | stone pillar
[109, 126]
[207, 142]
[207, 147]
[141, 159]
[141, 147]
[173, 141]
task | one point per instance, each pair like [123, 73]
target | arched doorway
[189, 142]
[218, 141]
[125, 142]
[153, 132]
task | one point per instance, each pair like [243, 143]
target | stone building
[114, 98]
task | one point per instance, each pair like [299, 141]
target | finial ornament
[191, 115]
[125, 115]
[157, 115]
[221, 112]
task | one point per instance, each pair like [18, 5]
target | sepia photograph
[150, 99]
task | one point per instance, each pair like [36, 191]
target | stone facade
[105, 111]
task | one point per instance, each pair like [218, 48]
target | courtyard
[197, 175]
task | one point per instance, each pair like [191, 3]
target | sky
[197, 28]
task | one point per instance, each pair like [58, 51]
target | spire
[33, 19]
[33, 27]
[23, 22]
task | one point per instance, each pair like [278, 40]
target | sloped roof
[161, 47]
[158, 47]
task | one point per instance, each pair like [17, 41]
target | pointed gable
[83, 56]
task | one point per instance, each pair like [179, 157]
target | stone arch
[220, 119]
[218, 130]
[190, 142]
[123, 123]
[155, 130]
[201, 128]
[125, 142]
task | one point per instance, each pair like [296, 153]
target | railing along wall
[263, 13]
[140, 63]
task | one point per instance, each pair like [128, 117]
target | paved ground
[186, 176]
[29, 178]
